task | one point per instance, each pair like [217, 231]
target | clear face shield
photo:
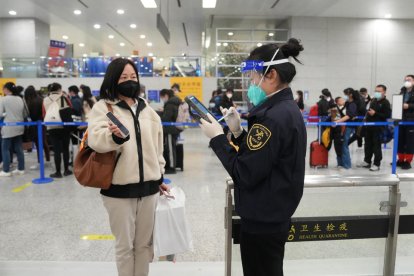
[253, 76]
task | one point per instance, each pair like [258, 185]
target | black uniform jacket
[269, 169]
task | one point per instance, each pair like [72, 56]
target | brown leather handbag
[93, 169]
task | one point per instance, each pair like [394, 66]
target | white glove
[213, 129]
[233, 120]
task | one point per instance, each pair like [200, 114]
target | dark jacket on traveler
[170, 114]
[269, 169]
[382, 110]
[408, 98]
[77, 105]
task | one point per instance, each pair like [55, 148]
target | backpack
[313, 112]
[53, 113]
[183, 115]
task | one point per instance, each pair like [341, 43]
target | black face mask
[128, 88]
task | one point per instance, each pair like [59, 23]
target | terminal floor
[41, 225]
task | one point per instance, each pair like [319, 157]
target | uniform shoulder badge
[258, 136]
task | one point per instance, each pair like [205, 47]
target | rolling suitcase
[318, 155]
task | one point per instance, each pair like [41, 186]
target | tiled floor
[41, 226]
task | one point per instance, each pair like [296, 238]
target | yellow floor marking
[21, 188]
[97, 237]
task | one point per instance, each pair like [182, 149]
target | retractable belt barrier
[42, 179]
[338, 227]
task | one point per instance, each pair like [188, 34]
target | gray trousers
[132, 224]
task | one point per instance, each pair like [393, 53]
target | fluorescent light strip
[209, 4]
[149, 4]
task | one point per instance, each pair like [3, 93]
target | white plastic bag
[171, 232]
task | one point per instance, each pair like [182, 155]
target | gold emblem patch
[258, 137]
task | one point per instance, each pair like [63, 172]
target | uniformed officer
[269, 168]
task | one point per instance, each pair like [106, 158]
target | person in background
[211, 103]
[227, 100]
[13, 110]
[269, 169]
[406, 135]
[358, 135]
[131, 199]
[88, 101]
[75, 100]
[169, 114]
[379, 111]
[338, 132]
[35, 104]
[218, 99]
[365, 96]
[299, 100]
[59, 135]
[351, 112]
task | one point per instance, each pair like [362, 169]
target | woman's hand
[115, 130]
[164, 189]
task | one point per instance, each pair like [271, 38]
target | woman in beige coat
[138, 177]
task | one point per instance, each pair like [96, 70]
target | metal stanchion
[395, 148]
[42, 179]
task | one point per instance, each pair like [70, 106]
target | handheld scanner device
[197, 109]
[115, 121]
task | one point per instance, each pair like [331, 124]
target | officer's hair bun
[292, 48]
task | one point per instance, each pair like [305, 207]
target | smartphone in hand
[115, 121]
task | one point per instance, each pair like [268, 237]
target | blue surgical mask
[256, 94]
[378, 95]
[346, 98]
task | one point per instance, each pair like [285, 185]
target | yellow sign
[21, 188]
[189, 86]
[3, 81]
[312, 232]
[258, 137]
[98, 237]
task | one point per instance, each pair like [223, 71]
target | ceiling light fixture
[149, 44]
[142, 36]
[97, 26]
[230, 33]
[85, 55]
[133, 26]
[81, 45]
[259, 44]
[122, 44]
[151, 54]
[149, 4]
[13, 13]
[77, 12]
[161, 59]
[388, 16]
[218, 44]
[271, 34]
[225, 44]
[117, 55]
[65, 37]
[209, 4]
[120, 11]
[110, 36]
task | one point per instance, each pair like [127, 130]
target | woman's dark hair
[326, 93]
[230, 89]
[112, 75]
[87, 95]
[11, 87]
[30, 94]
[168, 92]
[54, 87]
[286, 71]
[214, 93]
[356, 97]
[348, 91]
[219, 91]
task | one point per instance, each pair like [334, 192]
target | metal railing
[322, 181]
